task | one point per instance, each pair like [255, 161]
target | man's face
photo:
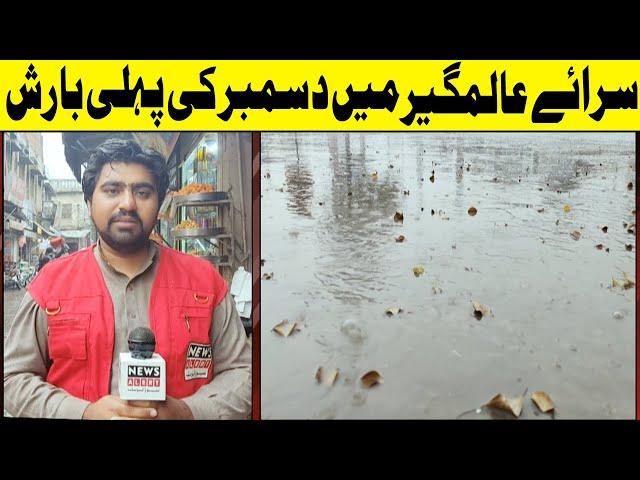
[124, 206]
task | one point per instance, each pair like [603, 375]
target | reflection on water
[328, 234]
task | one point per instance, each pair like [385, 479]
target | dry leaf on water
[432, 178]
[605, 228]
[417, 271]
[566, 209]
[542, 401]
[472, 211]
[393, 311]
[629, 247]
[575, 235]
[511, 405]
[599, 246]
[370, 379]
[328, 377]
[284, 328]
[630, 186]
[626, 283]
[267, 276]
[400, 239]
[398, 217]
[540, 210]
[480, 310]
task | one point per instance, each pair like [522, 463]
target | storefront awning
[45, 230]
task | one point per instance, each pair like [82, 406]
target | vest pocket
[67, 339]
[195, 323]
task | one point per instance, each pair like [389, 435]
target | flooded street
[556, 324]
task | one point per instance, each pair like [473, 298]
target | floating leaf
[393, 311]
[566, 209]
[328, 377]
[398, 217]
[262, 262]
[400, 239]
[511, 405]
[433, 212]
[405, 192]
[321, 203]
[370, 379]
[480, 310]
[605, 228]
[626, 282]
[575, 235]
[417, 271]
[472, 211]
[542, 401]
[284, 328]
[432, 178]
[630, 186]
[599, 246]
[540, 210]
[267, 276]
[629, 247]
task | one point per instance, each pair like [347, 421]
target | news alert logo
[143, 376]
[198, 362]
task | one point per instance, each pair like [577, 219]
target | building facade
[26, 221]
[72, 218]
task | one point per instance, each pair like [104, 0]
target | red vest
[80, 316]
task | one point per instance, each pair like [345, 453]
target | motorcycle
[13, 279]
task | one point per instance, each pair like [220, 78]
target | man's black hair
[126, 151]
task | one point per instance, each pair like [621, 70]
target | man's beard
[125, 241]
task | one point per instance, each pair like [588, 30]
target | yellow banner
[287, 95]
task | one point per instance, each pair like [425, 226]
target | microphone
[143, 373]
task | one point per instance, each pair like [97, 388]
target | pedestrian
[45, 258]
[62, 351]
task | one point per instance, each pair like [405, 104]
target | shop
[207, 215]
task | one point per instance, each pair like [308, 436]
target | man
[45, 258]
[60, 248]
[62, 352]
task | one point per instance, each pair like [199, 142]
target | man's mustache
[129, 215]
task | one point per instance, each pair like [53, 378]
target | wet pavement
[12, 298]
[556, 324]
[11, 301]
